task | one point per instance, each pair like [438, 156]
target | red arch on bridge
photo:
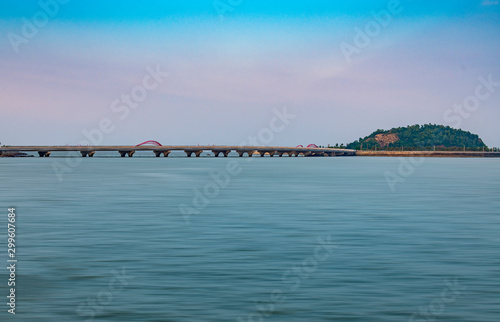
[152, 142]
[309, 146]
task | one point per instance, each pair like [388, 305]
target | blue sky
[128, 10]
[229, 69]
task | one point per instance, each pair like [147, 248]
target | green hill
[417, 137]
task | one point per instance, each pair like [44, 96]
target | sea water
[252, 239]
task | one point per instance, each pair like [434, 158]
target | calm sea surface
[271, 239]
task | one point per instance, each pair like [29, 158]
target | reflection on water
[110, 241]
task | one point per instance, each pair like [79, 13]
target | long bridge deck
[197, 150]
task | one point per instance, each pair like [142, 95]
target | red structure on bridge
[309, 146]
[150, 142]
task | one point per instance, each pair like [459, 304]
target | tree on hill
[428, 136]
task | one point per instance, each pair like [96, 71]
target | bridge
[190, 150]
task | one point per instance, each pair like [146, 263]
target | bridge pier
[159, 153]
[271, 153]
[196, 153]
[242, 153]
[44, 154]
[90, 154]
[225, 153]
[124, 153]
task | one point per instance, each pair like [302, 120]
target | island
[421, 140]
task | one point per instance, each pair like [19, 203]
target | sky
[220, 72]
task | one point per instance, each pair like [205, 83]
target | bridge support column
[272, 153]
[87, 153]
[262, 153]
[124, 153]
[196, 153]
[159, 153]
[242, 153]
[44, 154]
[226, 153]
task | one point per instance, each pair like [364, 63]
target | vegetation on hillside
[417, 137]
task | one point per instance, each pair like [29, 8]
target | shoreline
[429, 154]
